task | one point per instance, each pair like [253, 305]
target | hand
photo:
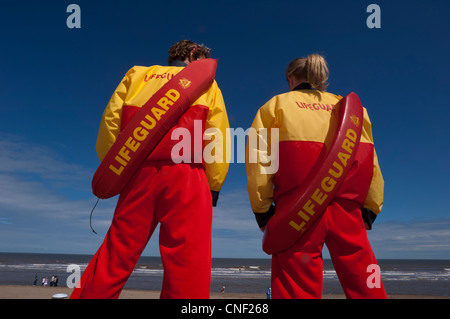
[263, 218]
[368, 217]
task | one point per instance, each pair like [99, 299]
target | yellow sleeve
[374, 199]
[110, 123]
[216, 139]
[259, 182]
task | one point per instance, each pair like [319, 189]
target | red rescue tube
[286, 228]
[149, 125]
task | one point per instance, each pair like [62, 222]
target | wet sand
[39, 292]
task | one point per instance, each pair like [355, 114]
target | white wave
[38, 267]
[244, 271]
[252, 271]
[396, 275]
[143, 270]
[329, 274]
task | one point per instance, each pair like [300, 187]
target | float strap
[287, 227]
[149, 125]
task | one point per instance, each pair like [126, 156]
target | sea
[400, 276]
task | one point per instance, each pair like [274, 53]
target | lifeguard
[134, 144]
[304, 127]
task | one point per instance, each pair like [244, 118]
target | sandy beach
[39, 292]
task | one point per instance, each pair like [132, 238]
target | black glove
[368, 217]
[263, 218]
[215, 198]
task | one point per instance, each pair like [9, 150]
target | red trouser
[298, 271]
[178, 197]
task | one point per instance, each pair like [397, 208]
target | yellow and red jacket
[302, 118]
[137, 86]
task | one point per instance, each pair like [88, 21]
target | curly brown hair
[187, 49]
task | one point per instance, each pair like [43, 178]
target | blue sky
[56, 82]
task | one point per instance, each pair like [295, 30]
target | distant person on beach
[179, 196]
[303, 117]
[54, 281]
[35, 279]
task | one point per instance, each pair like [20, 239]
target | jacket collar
[177, 63]
[303, 86]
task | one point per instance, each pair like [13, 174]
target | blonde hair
[312, 69]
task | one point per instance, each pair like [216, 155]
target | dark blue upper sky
[56, 82]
